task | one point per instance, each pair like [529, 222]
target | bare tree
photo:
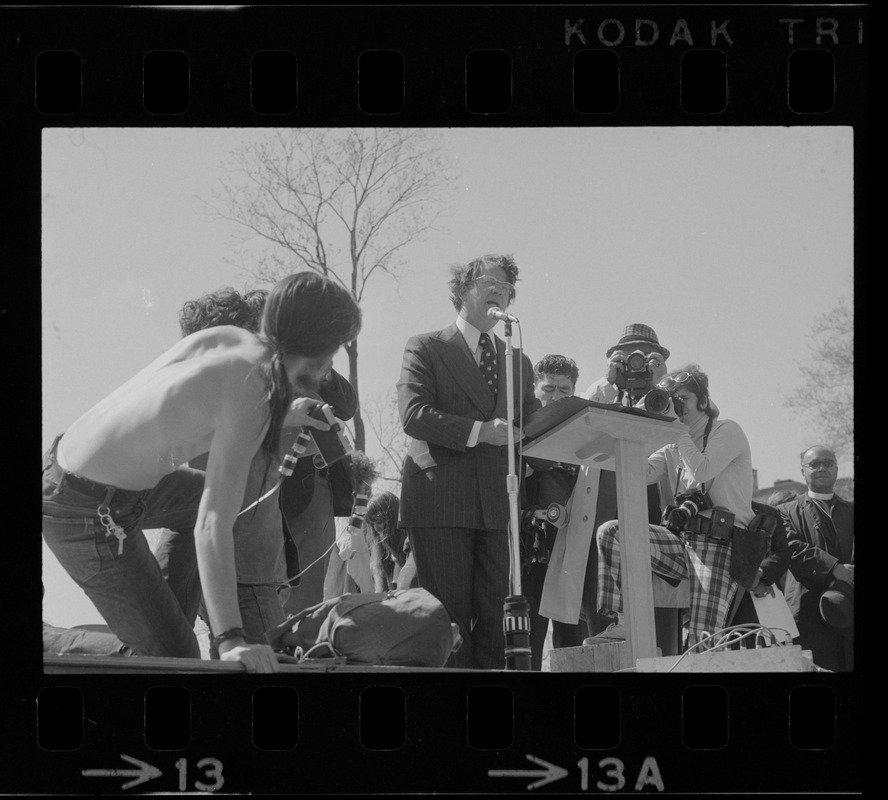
[341, 202]
[384, 422]
[827, 395]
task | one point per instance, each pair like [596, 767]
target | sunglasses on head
[671, 382]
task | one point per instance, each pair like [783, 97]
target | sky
[727, 241]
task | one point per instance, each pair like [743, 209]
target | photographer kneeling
[710, 471]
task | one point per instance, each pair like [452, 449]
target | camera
[332, 444]
[656, 401]
[533, 530]
[636, 374]
[689, 504]
[678, 405]
[533, 536]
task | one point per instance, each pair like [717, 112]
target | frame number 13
[210, 770]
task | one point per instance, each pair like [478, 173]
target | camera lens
[656, 401]
[636, 362]
[679, 516]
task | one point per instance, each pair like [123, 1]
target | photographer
[554, 377]
[710, 470]
[636, 363]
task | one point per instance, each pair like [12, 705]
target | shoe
[615, 632]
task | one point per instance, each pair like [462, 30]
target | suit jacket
[441, 393]
[816, 545]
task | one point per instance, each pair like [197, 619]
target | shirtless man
[225, 391]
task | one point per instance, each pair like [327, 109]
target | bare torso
[168, 413]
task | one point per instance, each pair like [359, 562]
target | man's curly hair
[462, 276]
[699, 386]
[224, 307]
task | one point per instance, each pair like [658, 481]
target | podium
[578, 431]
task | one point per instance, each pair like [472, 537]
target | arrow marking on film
[548, 775]
[145, 772]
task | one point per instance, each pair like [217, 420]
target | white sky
[727, 241]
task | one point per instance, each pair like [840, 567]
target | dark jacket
[297, 490]
[441, 393]
[776, 562]
[774, 569]
[816, 545]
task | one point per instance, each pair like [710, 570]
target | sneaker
[615, 632]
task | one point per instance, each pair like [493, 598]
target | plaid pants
[704, 561]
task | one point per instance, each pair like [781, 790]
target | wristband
[231, 633]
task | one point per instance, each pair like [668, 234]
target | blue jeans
[258, 554]
[120, 575]
[260, 609]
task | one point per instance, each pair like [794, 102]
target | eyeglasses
[826, 463]
[493, 283]
[670, 382]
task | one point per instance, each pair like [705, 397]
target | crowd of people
[210, 445]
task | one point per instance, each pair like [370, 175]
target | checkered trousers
[705, 561]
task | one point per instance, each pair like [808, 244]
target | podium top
[579, 431]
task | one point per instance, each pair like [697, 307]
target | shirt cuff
[473, 436]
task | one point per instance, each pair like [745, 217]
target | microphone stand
[516, 615]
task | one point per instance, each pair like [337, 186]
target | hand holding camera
[615, 366]
[330, 437]
[303, 413]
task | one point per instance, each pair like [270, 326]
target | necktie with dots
[488, 362]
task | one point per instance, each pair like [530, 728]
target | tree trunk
[357, 421]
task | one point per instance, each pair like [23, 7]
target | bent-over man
[223, 391]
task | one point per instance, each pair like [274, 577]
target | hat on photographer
[636, 335]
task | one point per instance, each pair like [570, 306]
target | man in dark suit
[820, 586]
[452, 398]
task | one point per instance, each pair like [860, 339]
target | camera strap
[706, 433]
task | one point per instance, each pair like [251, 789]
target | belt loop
[54, 461]
[109, 493]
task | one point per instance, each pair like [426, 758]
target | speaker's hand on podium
[496, 432]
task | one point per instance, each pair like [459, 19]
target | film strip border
[588, 65]
[491, 66]
[411, 733]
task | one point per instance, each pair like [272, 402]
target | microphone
[497, 313]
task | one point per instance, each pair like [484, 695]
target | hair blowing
[308, 315]
[223, 307]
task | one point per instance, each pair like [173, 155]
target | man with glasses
[820, 586]
[712, 459]
[452, 397]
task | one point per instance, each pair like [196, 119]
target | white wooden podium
[578, 431]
